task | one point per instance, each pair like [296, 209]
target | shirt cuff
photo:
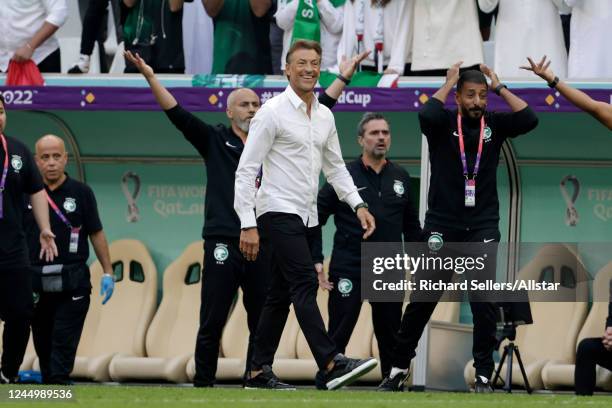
[247, 219]
[352, 199]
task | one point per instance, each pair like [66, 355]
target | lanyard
[57, 211]
[4, 173]
[462, 147]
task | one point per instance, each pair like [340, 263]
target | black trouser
[52, 63]
[591, 352]
[293, 281]
[56, 329]
[344, 309]
[417, 314]
[225, 269]
[16, 308]
[94, 23]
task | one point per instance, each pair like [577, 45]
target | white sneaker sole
[270, 389]
[350, 377]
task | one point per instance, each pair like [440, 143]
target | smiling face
[51, 158]
[376, 138]
[303, 68]
[242, 105]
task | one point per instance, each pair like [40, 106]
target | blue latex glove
[107, 286]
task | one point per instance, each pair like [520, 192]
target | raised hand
[541, 69]
[139, 63]
[452, 75]
[349, 66]
[489, 73]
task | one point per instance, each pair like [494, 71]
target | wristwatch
[498, 89]
[361, 205]
[554, 82]
[344, 79]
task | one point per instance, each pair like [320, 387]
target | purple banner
[214, 99]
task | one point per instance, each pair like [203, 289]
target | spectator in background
[387, 26]
[591, 31]
[153, 29]
[325, 27]
[445, 31]
[242, 36]
[276, 41]
[518, 23]
[197, 38]
[26, 32]
[94, 30]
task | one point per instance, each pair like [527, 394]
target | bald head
[51, 158]
[242, 104]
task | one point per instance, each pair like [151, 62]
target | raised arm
[599, 110]
[452, 77]
[347, 69]
[516, 104]
[162, 95]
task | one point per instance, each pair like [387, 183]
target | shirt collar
[296, 101]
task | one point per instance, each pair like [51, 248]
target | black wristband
[498, 89]
[554, 82]
[344, 79]
[361, 205]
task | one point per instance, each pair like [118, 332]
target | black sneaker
[267, 380]
[346, 370]
[482, 385]
[393, 384]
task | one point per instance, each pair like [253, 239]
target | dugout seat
[555, 375]
[172, 334]
[552, 336]
[120, 326]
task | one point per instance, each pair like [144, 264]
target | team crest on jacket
[345, 286]
[398, 187]
[70, 204]
[16, 162]
[221, 253]
[487, 134]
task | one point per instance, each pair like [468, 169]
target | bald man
[225, 267]
[63, 286]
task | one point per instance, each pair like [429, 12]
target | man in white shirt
[294, 137]
[26, 32]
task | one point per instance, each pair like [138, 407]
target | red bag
[23, 74]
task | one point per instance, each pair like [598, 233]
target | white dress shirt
[527, 28]
[445, 31]
[21, 19]
[590, 53]
[397, 33]
[293, 149]
[331, 28]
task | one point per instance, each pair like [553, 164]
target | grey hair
[367, 117]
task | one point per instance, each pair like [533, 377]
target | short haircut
[367, 117]
[2, 100]
[473, 76]
[303, 45]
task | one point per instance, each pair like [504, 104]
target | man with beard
[385, 186]
[464, 148]
[225, 267]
